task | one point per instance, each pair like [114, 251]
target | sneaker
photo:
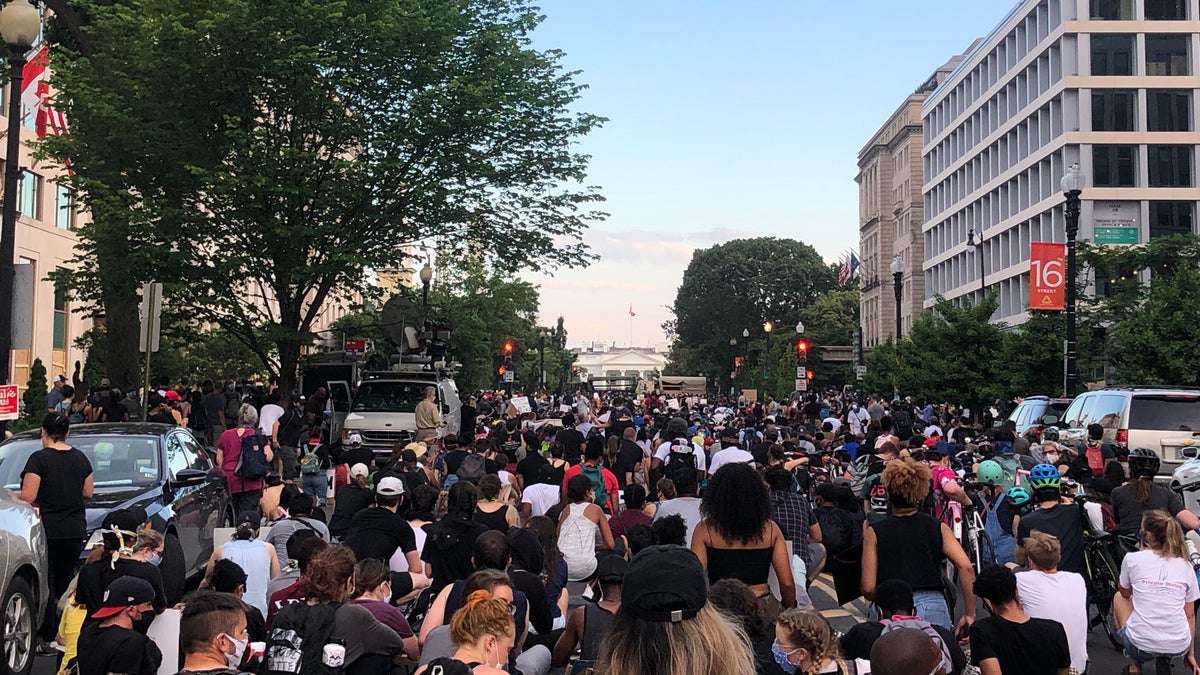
[48, 648]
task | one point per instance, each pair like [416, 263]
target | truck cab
[383, 408]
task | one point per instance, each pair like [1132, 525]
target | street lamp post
[426, 278]
[541, 359]
[1072, 187]
[897, 268]
[20, 24]
[767, 328]
[974, 246]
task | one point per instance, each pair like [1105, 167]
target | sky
[729, 120]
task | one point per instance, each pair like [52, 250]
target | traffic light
[809, 374]
[802, 351]
[508, 348]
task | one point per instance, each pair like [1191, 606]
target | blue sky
[728, 120]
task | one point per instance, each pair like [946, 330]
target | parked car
[1164, 419]
[1038, 412]
[160, 468]
[23, 583]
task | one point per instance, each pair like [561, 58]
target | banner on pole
[1047, 276]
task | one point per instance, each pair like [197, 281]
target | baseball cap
[664, 583]
[173, 395]
[124, 592]
[60, 378]
[390, 486]
[359, 469]
[611, 568]
[249, 517]
[355, 439]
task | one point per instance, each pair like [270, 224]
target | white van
[383, 409]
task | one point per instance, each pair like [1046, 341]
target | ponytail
[1143, 487]
[1166, 536]
[481, 615]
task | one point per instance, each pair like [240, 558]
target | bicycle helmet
[1143, 463]
[990, 472]
[1044, 476]
[1050, 434]
[1021, 500]
[986, 450]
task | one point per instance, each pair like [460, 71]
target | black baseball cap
[124, 592]
[664, 583]
[611, 568]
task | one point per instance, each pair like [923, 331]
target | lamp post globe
[20, 25]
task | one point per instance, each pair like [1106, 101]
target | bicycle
[1101, 578]
[966, 523]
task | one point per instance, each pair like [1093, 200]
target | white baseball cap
[355, 439]
[390, 486]
[359, 469]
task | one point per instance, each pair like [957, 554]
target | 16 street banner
[1047, 276]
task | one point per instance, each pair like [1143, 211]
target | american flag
[848, 269]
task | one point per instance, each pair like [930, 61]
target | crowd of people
[608, 535]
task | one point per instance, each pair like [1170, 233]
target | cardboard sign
[9, 401]
[164, 630]
[673, 404]
[521, 403]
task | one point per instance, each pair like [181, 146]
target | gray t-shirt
[688, 507]
[281, 530]
[1127, 510]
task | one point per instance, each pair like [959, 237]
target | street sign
[150, 313]
[858, 376]
[9, 402]
[508, 376]
[801, 384]
[355, 347]
[1116, 235]
[860, 370]
[800, 372]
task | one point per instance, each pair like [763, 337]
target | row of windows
[1153, 10]
[1020, 41]
[1114, 54]
[1166, 165]
[1117, 110]
[31, 188]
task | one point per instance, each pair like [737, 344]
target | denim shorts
[1137, 655]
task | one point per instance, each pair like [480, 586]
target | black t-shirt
[628, 456]
[352, 456]
[572, 445]
[453, 460]
[448, 547]
[350, 500]
[113, 410]
[116, 650]
[377, 533]
[1036, 647]
[760, 451]
[291, 424]
[857, 643]
[1127, 510]
[214, 405]
[531, 466]
[535, 592]
[1064, 521]
[60, 495]
[95, 577]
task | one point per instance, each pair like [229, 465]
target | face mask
[155, 559]
[500, 664]
[234, 660]
[781, 658]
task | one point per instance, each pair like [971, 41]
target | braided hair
[808, 629]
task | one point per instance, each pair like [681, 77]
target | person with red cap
[112, 645]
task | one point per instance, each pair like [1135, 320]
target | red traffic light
[802, 346]
[508, 348]
[809, 374]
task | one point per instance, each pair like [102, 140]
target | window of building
[60, 310]
[1112, 10]
[29, 195]
[1112, 54]
[1170, 165]
[1166, 10]
[1167, 218]
[1169, 110]
[1167, 54]
[1114, 165]
[1114, 110]
[64, 208]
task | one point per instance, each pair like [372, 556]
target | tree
[33, 398]
[738, 286]
[1158, 346]
[1031, 360]
[257, 157]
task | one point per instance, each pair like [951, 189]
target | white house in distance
[601, 360]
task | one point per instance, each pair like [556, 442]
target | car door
[214, 501]
[187, 501]
[339, 407]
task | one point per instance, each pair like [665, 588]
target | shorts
[291, 464]
[1137, 655]
[816, 555]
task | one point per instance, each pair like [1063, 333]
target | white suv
[383, 411]
[1164, 419]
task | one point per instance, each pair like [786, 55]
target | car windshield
[1165, 413]
[117, 460]
[388, 397]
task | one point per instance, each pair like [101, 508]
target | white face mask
[501, 659]
[239, 650]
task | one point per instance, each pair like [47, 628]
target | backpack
[1003, 543]
[835, 529]
[310, 463]
[599, 492]
[411, 475]
[898, 622]
[902, 425]
[1011, 464]
[252, 462]
[472, 468]
[297, 640]
[678, 461]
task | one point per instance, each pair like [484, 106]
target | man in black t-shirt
[112, 645]
[378, 531]
[1009, 639]
[628, 455]
[571, 440]
[1063, 521]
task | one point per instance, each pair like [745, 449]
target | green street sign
[1116, 235]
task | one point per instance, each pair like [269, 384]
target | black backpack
[472, 468]
[678, 462]
[835, 529]
[252, 463]
[413, 476]
[902, 424]
[298, 638]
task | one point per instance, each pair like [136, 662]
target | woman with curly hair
[738, 540]
[805, 644]
[911, 546]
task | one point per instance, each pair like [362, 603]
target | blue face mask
[781, 658]
[155, 559]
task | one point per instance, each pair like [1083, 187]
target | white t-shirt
[664, 451]
[1161, 588]
[686, 507]
[833, 422]
[268, 416]
[930, 429]
[399, 563]
[857, 419]
[1060, 597]
[731, 455]
[540, 497]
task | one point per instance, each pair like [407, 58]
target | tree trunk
[289, 360]
[122, 325]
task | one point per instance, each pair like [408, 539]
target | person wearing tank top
[577, 529]
[256, 558]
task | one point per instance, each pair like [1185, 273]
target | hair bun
[477, 597]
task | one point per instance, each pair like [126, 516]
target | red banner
[1047, 276]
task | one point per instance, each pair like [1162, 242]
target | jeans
[289, 461]
[931, 606]
[1137, 655]
[316, 485]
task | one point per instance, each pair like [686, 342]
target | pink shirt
[230, 445]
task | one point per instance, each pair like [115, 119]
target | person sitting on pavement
[449, 541]
[805, 643]
[578, 527]
[795, 517]
[637, 511]
[379, 532]
[686, 504]
[119, 532]
[288, 587]
[483, 633]
[1142, 494]
[906, 651]
[213, 634]
[373, 590]
[300, 508]
[1009, 640]
[1048, 593]
[111, 645]
[228, 577]
[350, 499]
[256, 558]
[587, 626]
[737, 601]
[894, 603]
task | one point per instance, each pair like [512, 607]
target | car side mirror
[1191, 451]
[189, 477]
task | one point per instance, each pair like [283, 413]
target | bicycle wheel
[1103, 581]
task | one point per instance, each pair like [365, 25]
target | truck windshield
[388, 397]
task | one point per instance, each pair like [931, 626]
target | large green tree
[258, 155]
[738, 286]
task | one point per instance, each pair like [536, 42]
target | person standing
[285, 437]
[244, 492]
[214, 412]
[428, 417]
[56, 395]
[58, 480]
[112, 645]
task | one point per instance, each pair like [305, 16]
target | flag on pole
[35, 94]
[853, 265]
[631, 311]
[844, 271]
